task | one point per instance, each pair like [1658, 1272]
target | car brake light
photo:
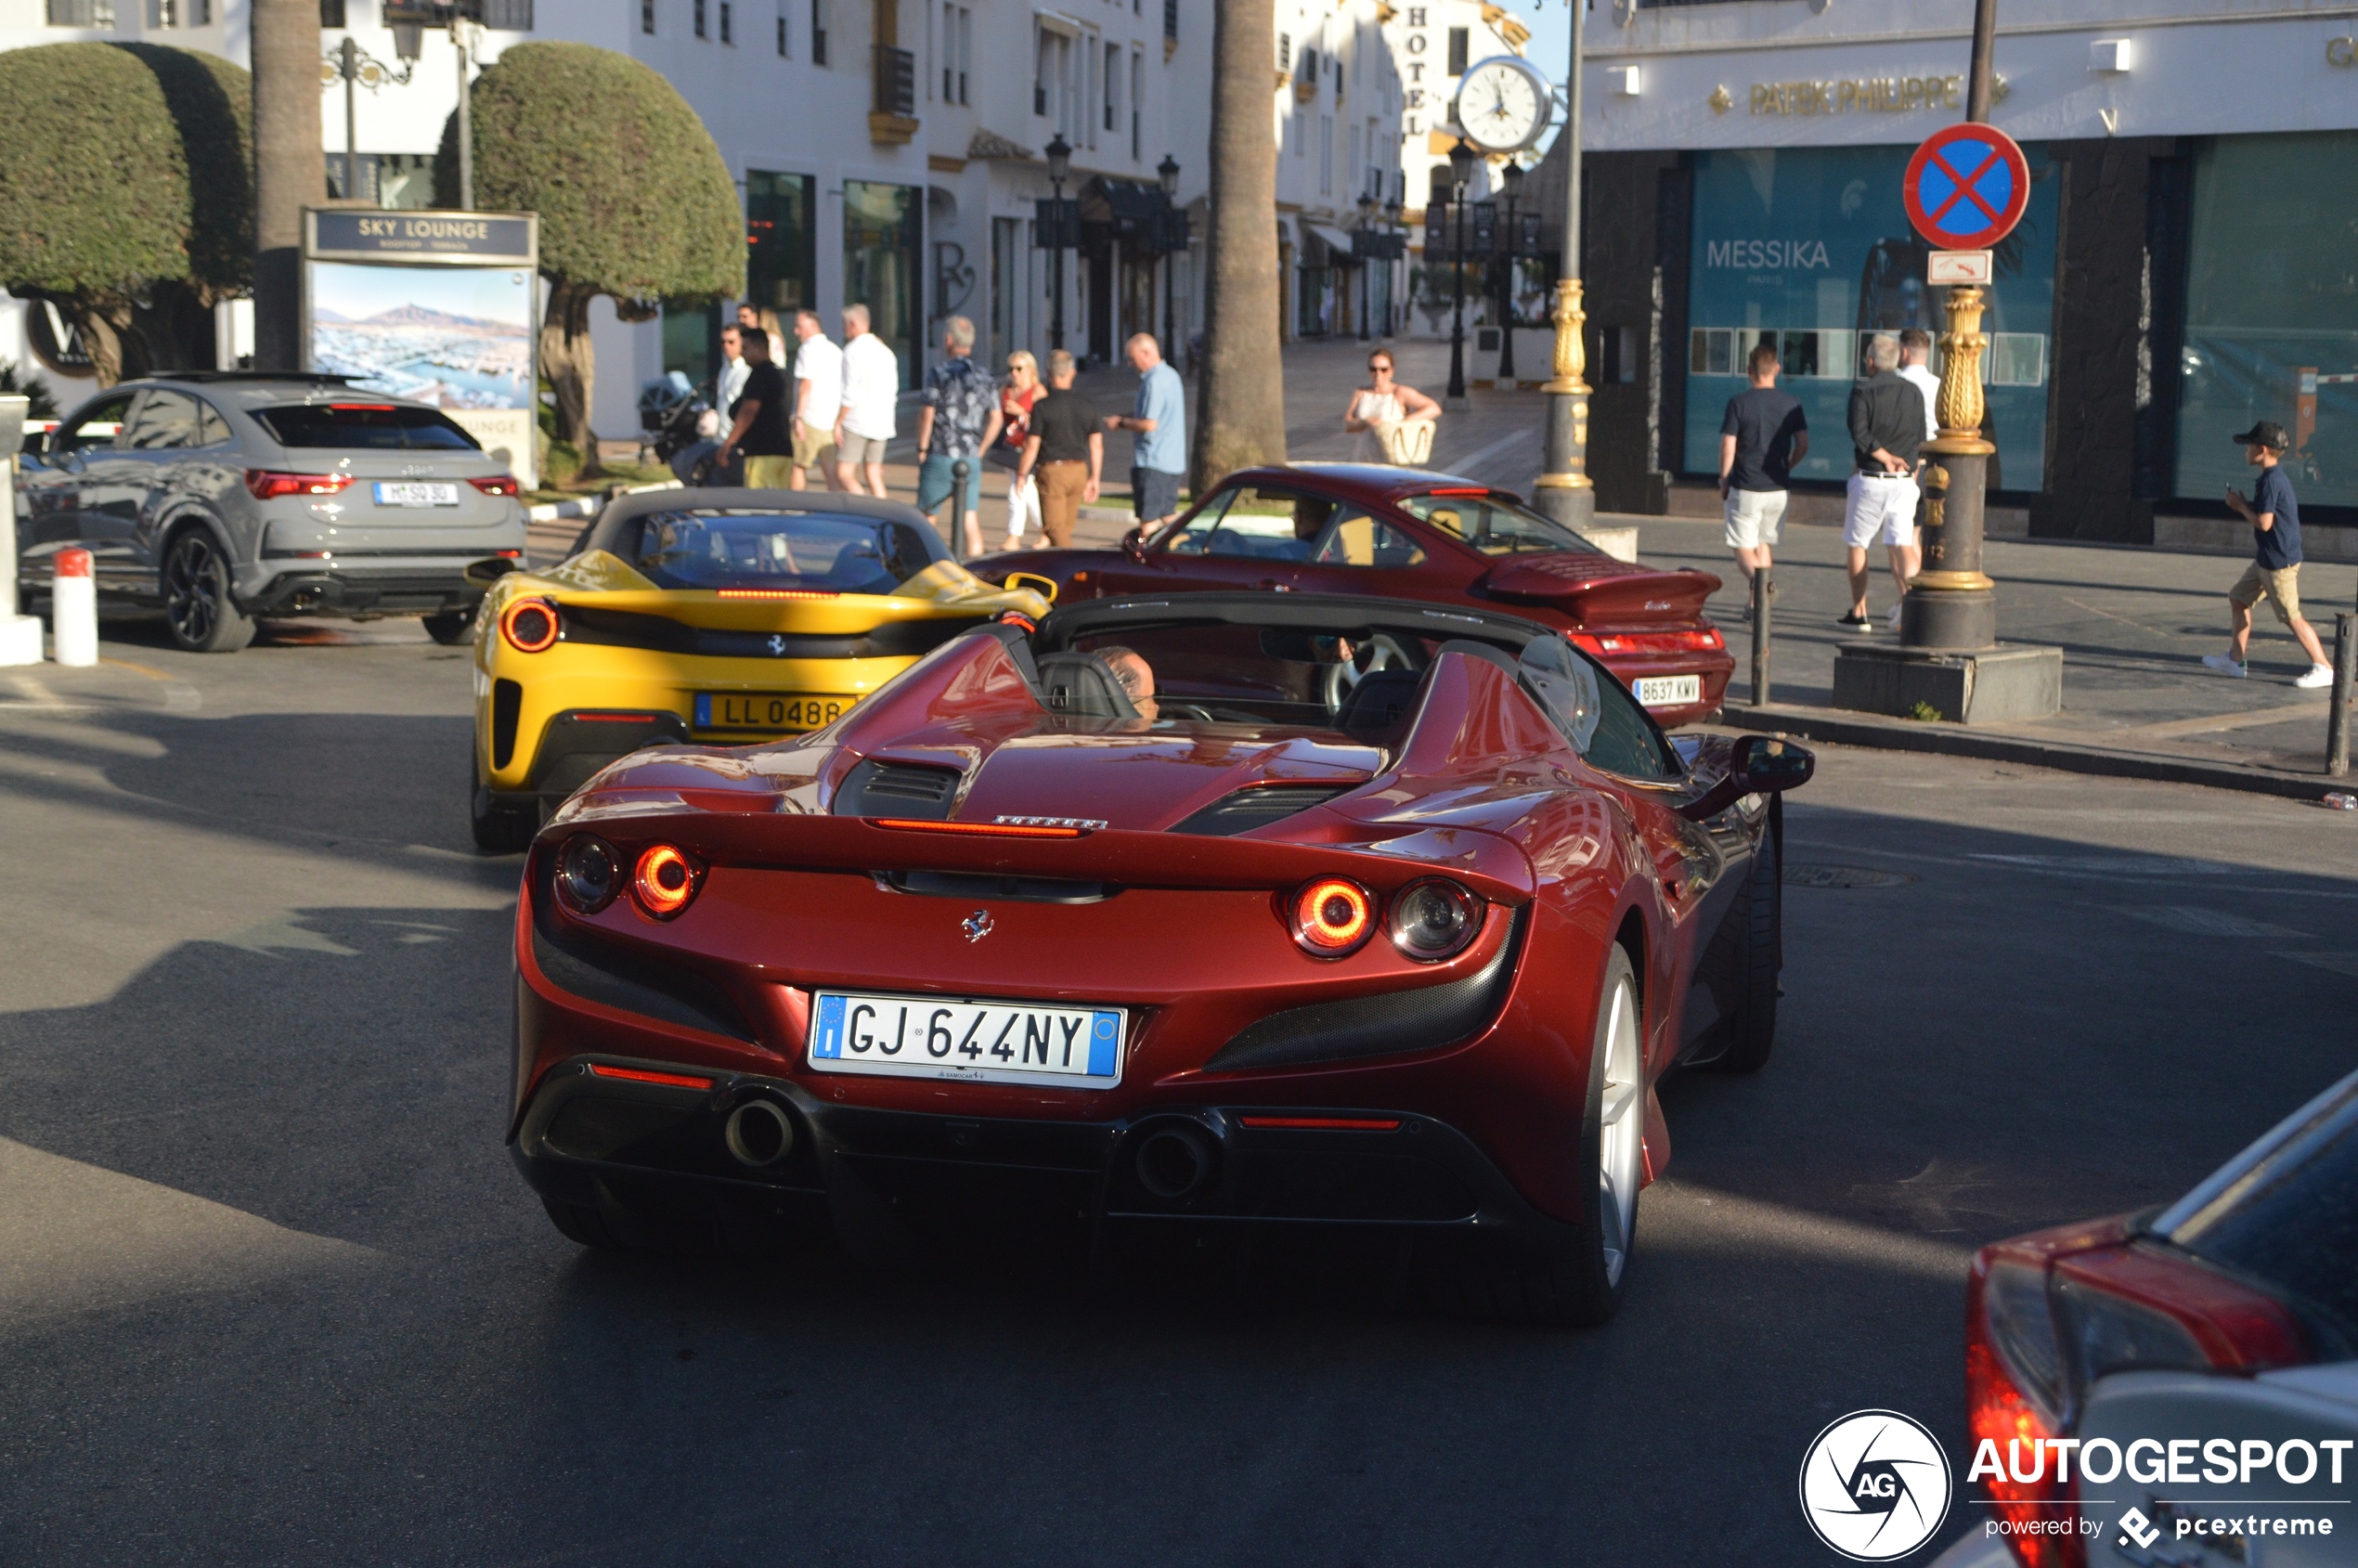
[641, 1075]
[2041, 1328]
[1707, 640]
[779, 593]
[269, 485]
[530, 625]
[664, 882]
[497, 484]
[1324, 1124]
[1332, 917]
[978, 830]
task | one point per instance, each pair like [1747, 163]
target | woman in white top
[1382, 407]
[1021, 390]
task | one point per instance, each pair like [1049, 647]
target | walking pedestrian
[1763, 434]
[870, 397]
[760, 428]
[1159, 465]
[818, 399]
[1017, 396]
[1066, 451]
[1886, 433]
[959, 422]
[1915, 364]
[1381, 415]
[731, 385]
[2273, 512]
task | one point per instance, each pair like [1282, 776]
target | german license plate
[771, 712]
[979, 1042]
[1669, 691]
[408, 492]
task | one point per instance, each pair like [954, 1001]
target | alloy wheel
[195, 585]
[1621, 1130]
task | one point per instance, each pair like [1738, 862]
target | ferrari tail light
[665, 881]
[1332, 917]
[269, 485]
[589, 874]
[1433, 919]
[2040, 1328]
[497, 484]
[530, 625]
[1706, 640]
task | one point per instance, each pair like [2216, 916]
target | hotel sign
[1884, 95]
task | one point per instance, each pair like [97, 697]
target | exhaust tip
[759, 1133]
[1174, 1161]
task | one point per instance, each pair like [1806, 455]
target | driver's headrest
[1083, 684]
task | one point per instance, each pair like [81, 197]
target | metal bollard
[2345, 671]
[74, 609]
[1764, 595]
[958, 472]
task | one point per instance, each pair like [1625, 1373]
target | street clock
[1504, 104]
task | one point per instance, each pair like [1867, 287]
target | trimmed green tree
[126, 195]
[635, 201]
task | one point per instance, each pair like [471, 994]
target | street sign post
[1966, 187]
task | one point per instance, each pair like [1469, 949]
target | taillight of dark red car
[2046, 1316]
[1706, 640]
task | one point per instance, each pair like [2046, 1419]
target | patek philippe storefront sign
[465, 239]
[1871, 95]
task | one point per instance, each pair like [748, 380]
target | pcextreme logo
[1875, 1485]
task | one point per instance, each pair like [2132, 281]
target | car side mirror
[1759, 765]
[484, 572]
[1133, 545]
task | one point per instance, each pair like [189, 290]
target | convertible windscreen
[812, 551]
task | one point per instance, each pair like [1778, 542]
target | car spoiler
[1597, 591]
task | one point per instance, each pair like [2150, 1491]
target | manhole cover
[1843, 877]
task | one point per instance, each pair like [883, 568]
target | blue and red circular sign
[1966, 187]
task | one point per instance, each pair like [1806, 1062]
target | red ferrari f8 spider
[1140, 917]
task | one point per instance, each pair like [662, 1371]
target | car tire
[452, 628]
[500, 829]
[1754, 1031]
[1582, 1285]
[199, 608]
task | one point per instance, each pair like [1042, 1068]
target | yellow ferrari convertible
[718, 616]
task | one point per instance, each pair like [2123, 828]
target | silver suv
[227, 496]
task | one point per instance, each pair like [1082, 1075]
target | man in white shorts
[1764, 435]
[1886, 433]
[871, 395]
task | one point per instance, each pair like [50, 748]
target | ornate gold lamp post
[1563, 491]
[1951, 602]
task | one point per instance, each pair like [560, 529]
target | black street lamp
[1167, 173]
[1059, 165]
[1367, 227]
[1394, 227]
[1461, 163]
[1513, 179]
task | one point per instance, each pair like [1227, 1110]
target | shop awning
[1131, 208]
[1335, 239]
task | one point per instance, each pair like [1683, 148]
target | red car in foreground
[1129, 918]
[1404, 533]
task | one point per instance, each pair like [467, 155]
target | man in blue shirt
[1159, 464]
[2273, 512]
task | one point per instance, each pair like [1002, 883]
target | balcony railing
[896, 82]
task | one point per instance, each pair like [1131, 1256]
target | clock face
[1503, 105]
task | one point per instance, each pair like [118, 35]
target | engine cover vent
[1248, 808]
[897, 789]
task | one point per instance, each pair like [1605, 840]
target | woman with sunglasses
[1015, 398]
[1382, 413]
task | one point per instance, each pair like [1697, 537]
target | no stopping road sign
[1966, 187]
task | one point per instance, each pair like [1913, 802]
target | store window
[691, 341]
[782, 250]
[1809, 250]
[881, 237]
[2271, 319]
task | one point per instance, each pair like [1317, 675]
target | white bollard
[74, 609]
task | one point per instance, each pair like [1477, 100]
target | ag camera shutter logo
[1875, 1485]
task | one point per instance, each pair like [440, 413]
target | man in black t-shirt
[1764, 435]
[1067, 448]
[760, 431]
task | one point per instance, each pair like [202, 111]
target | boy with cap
[2274, 515]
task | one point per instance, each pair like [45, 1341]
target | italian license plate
[979, 1042]
[1668, 690]
[408, 492]
[771, 712]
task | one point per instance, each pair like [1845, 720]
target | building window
[696, 18]
[1284, 51]
[881, 240]
[1456, 51]
[508, 15]
[785, 32]
[818, 32]
[1170, 25]
[782, 245]
[82, 13]
[1113, 84]
[1325, 155]
[728, 23]
[1137, 90]
[647, 17]
[330, 13]
[957, 51]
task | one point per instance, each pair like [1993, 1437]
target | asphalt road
[270, 1291]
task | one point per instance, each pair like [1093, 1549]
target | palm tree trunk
[290, 170]
[567, 361]
[1240, 418]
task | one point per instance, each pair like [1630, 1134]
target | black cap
[2268, 433]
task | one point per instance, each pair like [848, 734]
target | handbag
[1406, 441]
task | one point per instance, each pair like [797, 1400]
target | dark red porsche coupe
[1137, 918]
[1404, 533]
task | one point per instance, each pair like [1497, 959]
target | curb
[589, 506]
[1950, 740]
